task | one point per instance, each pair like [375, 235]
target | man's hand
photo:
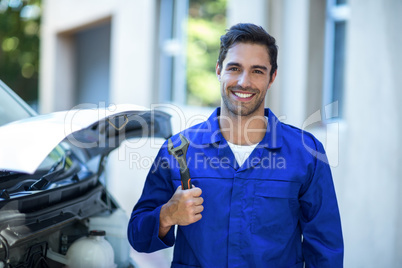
[183, 208]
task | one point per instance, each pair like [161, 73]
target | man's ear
[218, 71]
[272, 78]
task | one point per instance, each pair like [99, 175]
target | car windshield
[11, 107]
[54, 157]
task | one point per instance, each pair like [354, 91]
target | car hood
[24, 144]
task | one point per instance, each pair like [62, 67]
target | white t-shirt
[241, 152]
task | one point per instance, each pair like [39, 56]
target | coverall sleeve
[320, 219]
[143, 227]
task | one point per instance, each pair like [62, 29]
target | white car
[52, 190]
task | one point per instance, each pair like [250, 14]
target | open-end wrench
[180, 154]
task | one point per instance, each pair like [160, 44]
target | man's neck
[243, 130]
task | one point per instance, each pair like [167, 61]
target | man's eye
[258, 72]
[233, 69]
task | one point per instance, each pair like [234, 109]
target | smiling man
[262, 193]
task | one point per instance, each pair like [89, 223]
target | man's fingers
[198, 209]
[198, 201]
[197, 217]
[195, 191]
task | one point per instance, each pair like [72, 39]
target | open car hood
[24, 144]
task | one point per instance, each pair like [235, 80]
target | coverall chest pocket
[275, 208]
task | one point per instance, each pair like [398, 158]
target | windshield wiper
[46, 179]
[6, 193]
[5, 174]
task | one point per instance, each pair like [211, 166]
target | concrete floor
[159, 259]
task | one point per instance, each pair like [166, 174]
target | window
[206, 24]
[334, 59]
[189, 40]
[171, 49]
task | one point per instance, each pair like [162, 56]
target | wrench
[180, 154]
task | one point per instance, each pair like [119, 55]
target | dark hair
[248, 33]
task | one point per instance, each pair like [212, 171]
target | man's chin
[242, 111]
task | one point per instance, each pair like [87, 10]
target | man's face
[245, 79]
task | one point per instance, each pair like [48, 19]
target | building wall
[370, 199]
[131, 53]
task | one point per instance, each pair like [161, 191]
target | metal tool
[180, 154]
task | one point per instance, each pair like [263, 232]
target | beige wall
[371, 162]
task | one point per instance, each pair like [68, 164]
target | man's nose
[244, 80]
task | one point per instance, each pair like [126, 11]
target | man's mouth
[242, 95]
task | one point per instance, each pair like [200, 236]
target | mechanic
[262, 193]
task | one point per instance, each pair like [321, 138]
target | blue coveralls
[278, 209]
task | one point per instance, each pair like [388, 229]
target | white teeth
[242, 95]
